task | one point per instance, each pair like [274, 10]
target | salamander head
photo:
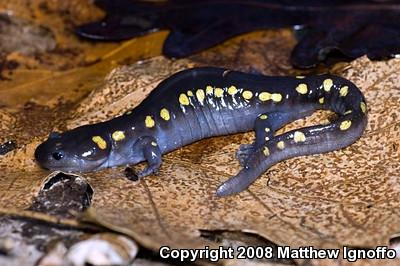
[73, 151]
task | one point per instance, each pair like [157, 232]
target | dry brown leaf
[53, 96]
[346, 197]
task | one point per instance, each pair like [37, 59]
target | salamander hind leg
[244, 152]
[304, 141]
[152, 154]
[265, 127]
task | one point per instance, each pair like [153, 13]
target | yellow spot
[348, 112]
[153, 143]
[299, 137]
[266, 151]
[200, 95]
[232, 90]
[219, 92]
[276, 97]
[183, 99]
[343, 91]
[263, 117]
[321, 100]
[280, 145]
[302, 88]
[300, 77]
[345, 125]
[118, 135]
[267, 129]
[101, 143]
[247, 95]
[149, 121]
[363, 107]
[209, 90]
[164, 113]
[328, 83]
[190, 93]
[264, 96]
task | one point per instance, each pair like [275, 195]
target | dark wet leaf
[7, 147]
[343, 29]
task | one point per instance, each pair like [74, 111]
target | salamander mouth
[74, 164]
[77, 166]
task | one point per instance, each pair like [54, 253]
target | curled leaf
[347, 28]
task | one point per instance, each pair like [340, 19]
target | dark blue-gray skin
[204, 102]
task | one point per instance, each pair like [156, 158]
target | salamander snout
[73, 151]
[43, 150]
[49, 155]
[39, 155]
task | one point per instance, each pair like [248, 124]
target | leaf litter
[346, 197]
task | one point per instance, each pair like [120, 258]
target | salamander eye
[58, 155]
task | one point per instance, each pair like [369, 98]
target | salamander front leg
[151, 153]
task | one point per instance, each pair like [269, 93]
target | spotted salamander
[204, 102]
